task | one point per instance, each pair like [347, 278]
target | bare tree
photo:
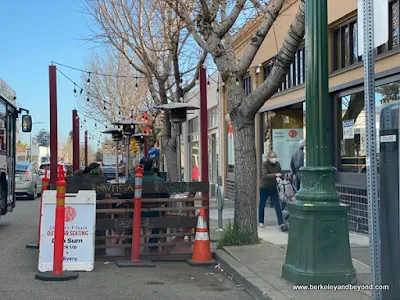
[160, 49]
[213, 24]
[111, 97]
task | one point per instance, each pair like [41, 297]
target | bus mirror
[26, 123]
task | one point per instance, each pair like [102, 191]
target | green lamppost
[318, 248]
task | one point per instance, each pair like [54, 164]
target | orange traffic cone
[201, 252]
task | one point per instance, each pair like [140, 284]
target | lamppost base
[318, 248]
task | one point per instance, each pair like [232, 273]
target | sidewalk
[258, 268]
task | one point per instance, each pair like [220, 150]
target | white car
[44, 166]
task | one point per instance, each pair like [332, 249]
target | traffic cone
[201, 252]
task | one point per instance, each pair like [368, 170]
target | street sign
[80, 219]
[381, 23]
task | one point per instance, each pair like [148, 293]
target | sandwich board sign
[79, 233]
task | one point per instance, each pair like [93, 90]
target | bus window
[2, 136]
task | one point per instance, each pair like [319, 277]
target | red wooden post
[86, 148]
[75, 140]
[204, 137]
[53, 126]
[59, 224]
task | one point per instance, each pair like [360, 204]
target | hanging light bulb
[106, 126]
[88, 80]
[75, 94]
[217, 90]
[81, 92]
[119, 113]
[87, 99]
[84, 120]
[95, 125]
[132, 127]
[208, 81]
[104, 107]
[180, 99]
[136, 85]
[237, 81]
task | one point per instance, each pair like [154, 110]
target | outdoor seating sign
[79, 233]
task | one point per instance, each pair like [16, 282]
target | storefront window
[352, 127]
[283, 129]
[231, 151]
[194, 157]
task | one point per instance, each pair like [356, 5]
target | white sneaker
[261, 225]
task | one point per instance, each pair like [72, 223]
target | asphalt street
[172, 280]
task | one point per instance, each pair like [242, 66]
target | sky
[33, 34]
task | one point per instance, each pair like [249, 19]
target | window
[3, 136]
[352, 127]
[296, 74]
[345, 50]
[283, 129]
[393, 41]
[194, 125]
[247, 85]
[212, 118]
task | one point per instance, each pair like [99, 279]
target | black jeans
[271, 193]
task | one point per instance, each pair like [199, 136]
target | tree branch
[222, 29]
[272, 12]
[255, 100]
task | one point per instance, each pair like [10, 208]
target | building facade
[280, 124]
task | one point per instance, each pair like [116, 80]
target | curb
[251, 282]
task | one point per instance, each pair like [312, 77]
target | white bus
[8, 128]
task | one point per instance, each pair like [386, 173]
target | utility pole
[75, 140]
[53, 126]
[318, 248]
[86, 148]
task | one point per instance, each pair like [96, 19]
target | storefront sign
[79, 234]
[285, 142]
[348, 129]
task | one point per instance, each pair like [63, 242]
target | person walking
[296, 163]
[271, 169]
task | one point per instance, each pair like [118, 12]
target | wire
[115, 76]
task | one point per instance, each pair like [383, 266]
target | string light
[136, 85]
[75, 94]
[237, 81]
[88, 80]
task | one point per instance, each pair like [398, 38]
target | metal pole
[86, 148]
[178, 150]
[30, 146]
[53, 126]
[75, 140]
[321, 232]
[371, 161]
[204, 137]
[116, 166]
[128, 139]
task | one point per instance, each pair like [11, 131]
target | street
[171, 280]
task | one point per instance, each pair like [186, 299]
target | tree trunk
[245, 174]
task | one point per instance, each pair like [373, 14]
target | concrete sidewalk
[258, 268]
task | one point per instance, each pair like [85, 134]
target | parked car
[44, 166]
[27, 180]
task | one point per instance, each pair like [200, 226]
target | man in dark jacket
[296, 163]
[149, 176]
[271, 169]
